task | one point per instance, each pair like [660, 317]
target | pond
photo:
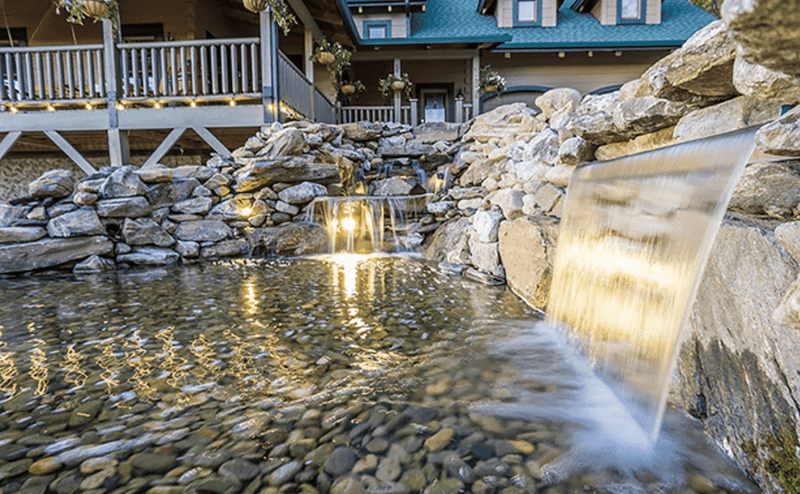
[344, 374]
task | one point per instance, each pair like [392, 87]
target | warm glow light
[349, 224]
[50, 108]
[247, 211]
[120, 106]
[232, 103]
[12, 109]
[349, 264]
[88, 106]
[193, 104]
[156, 105]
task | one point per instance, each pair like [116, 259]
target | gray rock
[50, 252]
[432, 132]
[558, 100]
[543, 148]
[444, 486]
[155, 173]
[340, 461]
[781, 137]
[788, 236]
[9, 214]
[201, 173]
[347, 485]
[759, 82]
[152, 463]
[236, 208]
[196, 205]
[394, 186]
[187, 249]
[527, 250]
[411, 150]
[145, 231]
[53, 183]
[449, 243]
[291, 169]
[61, 208]
[122, 183]
[289, 239]
[94, 264]
[600, 102]
[215, 485]
[731, 115]
[439, 207]
[286, 142]
[240, 469]
[770, 188]
[362, 131]
[509, 200]
[82, 198]
[485, 256]
[486, 225]
[227, 248]
[150, 256]
[648, 114]
[302, 193]
[123, 207]
[284, 473]
[702, 66]
[218, 180]
[285, 208]
[169, 193]
[547, 196]
[575, 150]
[768, 32]
[597, 128]
[203, 231]
[82, 222]
[20, 234]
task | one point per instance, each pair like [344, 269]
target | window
[527, 12]
[631, 11]
[377, 29]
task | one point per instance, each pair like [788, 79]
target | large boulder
[768, 32]
[781, 137]
[738, 369]
[702, 66]
[394, 186]
[759, 82]
[431, 132]
[78, 223]
[597, 128]
[726, 117]
[239, 207]
[527, 249]
[558, 100]
[769, 188]
[50, 252]
[124, 182]
[362, 131]
[292, 239]
[260, 173]
[507, 121]
[203, 231]
[648, 114]
[155, 173]
[302, 193]
[21, 234]
[123, 207]
[167, 194]
[150, 256]
[450, 242]
[485, 257]
[53, 183]
[238, 247]
[286, 142]
[145, 231]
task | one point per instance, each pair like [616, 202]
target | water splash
[635, 236]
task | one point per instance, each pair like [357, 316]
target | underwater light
[349, 224]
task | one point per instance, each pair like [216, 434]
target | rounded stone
[45, 466]
[340, 461]
[152, 463]
[347, 485]
[240, 469]
[440, 440]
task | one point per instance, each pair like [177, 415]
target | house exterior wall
[505, 13]
[653, 12]
[398, 23]
[605, 11]
[576, 70]
[549, 13]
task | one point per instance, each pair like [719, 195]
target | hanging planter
[392, 83]
[326, 57]
[398, 85]
[490, 88]
[491, 81]
[94, 8]
[256, 6]
[348, 89]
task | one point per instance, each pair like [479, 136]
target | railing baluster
[174, 72]
[60, 87]
[155, 77]
[81, 68]
[254, 64]
[243, 53]
[203, 70]
[145, 84]
[214, 72]
[184, 75]
[88, 62]
[39, 74]
[29, 76]
[223, 68]
[194, 71]
[3, 96]
[69, 86]
[164, 83]
[123, 71]
[135, 71]
[9, 77]
[48, 74]
[234, 70]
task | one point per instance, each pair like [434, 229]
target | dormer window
[527, 12]
[631, 11]
[377, 29]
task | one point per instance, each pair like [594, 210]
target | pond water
[344, 374]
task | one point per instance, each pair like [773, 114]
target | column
[397, 94]
[118, 149]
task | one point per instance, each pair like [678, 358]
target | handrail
[49, 49]
[193, 42]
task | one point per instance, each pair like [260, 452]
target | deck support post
[414, 106]
[269, 66]
[308, 50]
[397, 94]
[460, 109]
[165, 146]
[8, 141]
[476, 85]
[70, 151]
[118, 149]
[212, 141]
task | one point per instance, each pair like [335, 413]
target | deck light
[590, 53]
[232, 103]
[88, 106]
[12, 109]
[617, 53]
[120, 106]
[50, 108]
[157, 106]
[193, 104]
[561, 54]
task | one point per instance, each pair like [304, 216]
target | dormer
[613, 12]
[383, 19]
[521, 13]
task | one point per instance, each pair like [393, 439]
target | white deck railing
[203, 69]
[349, 114]
[52, 74]
[300, 94]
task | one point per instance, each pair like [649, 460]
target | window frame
[377, 23]
[537, 11]
[642, 11]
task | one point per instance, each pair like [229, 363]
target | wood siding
[605, 11]
[505, 13]
[549, 13]
[653, 12]
[398, 23]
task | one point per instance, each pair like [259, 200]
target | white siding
[653, 13]
[505, 13]
[549, 13]
[398, 22]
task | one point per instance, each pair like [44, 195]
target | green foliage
[784, 462]
[710, 6]
[341, 56]
[360, 88]
[385, 84]
[490, 77]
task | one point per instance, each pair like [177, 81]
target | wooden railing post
[118, 149]
[269, 66]
[397, 98]
[413, 103]
[460, 109]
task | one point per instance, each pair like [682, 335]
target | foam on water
[634, 239]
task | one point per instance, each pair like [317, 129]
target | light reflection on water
[250, 334]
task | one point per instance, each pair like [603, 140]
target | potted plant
[392, 83]
[349, 89]
[94, 8]
[491, 81]
[78, 10]
[280, 13]
[334, 55]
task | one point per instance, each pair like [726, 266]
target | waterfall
[365, 224]
[634, 240]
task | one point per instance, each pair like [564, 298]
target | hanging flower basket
[326, 57]
[348, 89]
[398, 85]
[255, 5]
[490, 88]
[94, 8]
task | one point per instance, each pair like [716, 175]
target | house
[175, 76]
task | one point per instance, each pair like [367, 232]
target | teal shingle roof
[457, 21]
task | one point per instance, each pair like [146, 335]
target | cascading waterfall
[359, 224]
[634, 240]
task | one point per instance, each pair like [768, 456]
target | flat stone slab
[50, 252]
[18, 234]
